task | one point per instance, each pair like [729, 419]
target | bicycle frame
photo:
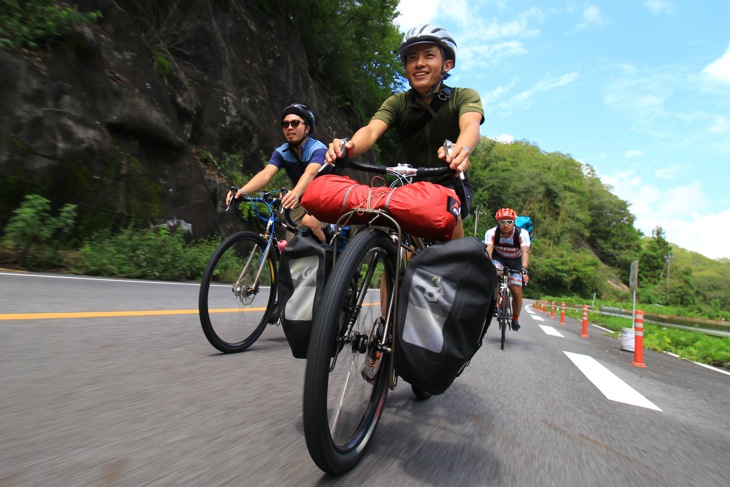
[268, 200]
[358, 383]
[501, 288]
[504, 292]
[406, 244]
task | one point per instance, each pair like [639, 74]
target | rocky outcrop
[110, 118]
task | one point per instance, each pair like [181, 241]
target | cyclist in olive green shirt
[426, 114]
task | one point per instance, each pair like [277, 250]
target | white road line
[712, 368]
[83, 278]
[607, 330]
[701, 365]
[537, 318]
[549, 330]
[611, 386]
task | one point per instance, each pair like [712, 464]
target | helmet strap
[297, 145]
[433, 88]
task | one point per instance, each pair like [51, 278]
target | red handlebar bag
[423, 209]
[325, 196]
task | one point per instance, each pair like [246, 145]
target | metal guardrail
[708, 327]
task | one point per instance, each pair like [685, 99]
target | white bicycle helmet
[428, 34]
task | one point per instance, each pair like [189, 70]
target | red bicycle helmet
[505, 214]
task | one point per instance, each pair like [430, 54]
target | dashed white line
[549, 330]
[611, 386]
[537, 318]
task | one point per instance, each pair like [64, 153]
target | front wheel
[238, 292]
[347, 373]
[505, 315]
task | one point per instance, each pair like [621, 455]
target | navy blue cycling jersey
[312, 151]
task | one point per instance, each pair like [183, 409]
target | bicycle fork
[243, 290]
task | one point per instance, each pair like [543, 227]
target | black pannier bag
[303, 268]
[443, 312]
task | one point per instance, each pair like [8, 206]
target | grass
[688, 345]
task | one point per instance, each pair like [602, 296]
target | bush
[153, 254]
[23, 24]
[36, 235]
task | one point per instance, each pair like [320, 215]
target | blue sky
[640, 90]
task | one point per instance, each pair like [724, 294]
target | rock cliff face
[110, 117]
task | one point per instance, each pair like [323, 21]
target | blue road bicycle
[237, 296]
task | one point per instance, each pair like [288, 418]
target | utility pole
[633, 286]
[669, 265]
[476, 219]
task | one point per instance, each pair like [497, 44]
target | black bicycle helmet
[428, 34]
[302, 111]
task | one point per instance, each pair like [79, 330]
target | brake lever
[343, 150]
[449, 147]
[233, 191]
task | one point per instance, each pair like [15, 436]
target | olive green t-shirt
[401, 110]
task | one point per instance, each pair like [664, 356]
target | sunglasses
[506, 222]
[293, 123]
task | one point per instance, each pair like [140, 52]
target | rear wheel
[233, 304]
[347, 372]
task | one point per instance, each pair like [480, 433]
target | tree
[653, 257]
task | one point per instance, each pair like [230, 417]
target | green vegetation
[351, 48]
[164, 68]
[688, 345]
[26, 24]
[144, 254]
[585, 239]
[33, 237]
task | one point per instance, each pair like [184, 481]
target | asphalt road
[116, 400]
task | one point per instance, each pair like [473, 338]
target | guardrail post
[562, 314]
[639, 340]
[552, 310]
[584, 333]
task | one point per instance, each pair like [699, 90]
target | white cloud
[503, 139]
[685, 234]
[591, 16]
[414, 12]
[473, 56]
[669, 172]
[659, 6]
[492, 96]
[482, 40]
[719, 69]
[523, 100]
[515, 28]
[668, 107]
[680, 211]
[634, 153]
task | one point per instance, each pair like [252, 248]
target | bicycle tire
[504, 315]
[233, 319]
[341, 407]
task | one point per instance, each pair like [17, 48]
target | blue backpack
[526, 223]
